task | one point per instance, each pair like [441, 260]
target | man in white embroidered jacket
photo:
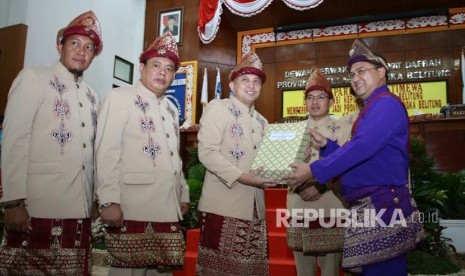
[315, 244]
[141, 188]
[233, 229]
[47, 154]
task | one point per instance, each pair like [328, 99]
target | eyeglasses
[360, 72]
[319, 98]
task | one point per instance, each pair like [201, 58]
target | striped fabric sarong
[53, 247]
[230, 246]
[141, 244]
[365, 246]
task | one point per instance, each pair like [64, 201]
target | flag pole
[204, 95]
[462, 65]
[218, 83]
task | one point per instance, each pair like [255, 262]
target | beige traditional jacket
[137, 155]
[47, 145]
[335, 130]
[229, 137]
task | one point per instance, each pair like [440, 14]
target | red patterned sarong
[141, 244]
[230, 246]
[53, 247]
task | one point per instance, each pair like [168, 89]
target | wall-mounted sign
[418, 97]
[410, 70]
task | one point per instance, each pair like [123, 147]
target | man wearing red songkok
[233, 229]
[141, 188]
[47, 153]
[314, 244]
[374, 173]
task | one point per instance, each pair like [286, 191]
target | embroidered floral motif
[237, 132]
[333, 128]
[151, 149]
[61, 111]
[176, 129]
[237, 153]
[171, 111]
[93, 115]
[56, 231]
[58, 85]
[141, 104]
[61, 108]
[262, 122]
[91, 97]
[235, 112]
[62, 136]
[93, 108]
[147, 125]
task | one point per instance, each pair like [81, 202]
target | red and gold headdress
[317, 81]
[163, 46]
[249, 64]
[85, 24]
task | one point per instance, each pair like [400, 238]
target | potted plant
[195, 176]
[432, 198]
[452, 212]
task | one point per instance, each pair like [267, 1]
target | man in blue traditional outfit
[374, 173]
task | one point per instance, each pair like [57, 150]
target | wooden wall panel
[277, 60]
[329, 49]
[334, 53]
[444, 141]
[457, 38]
[267, 103]
[295, 52]
[12, 49]
[221, 52]
[427, 40]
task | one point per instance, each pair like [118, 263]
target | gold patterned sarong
[230, 246]
[315, 239]
[53, 247]
[139, 244]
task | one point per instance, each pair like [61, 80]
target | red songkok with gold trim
[249, 64]
[317, 81]
[164, 46]
[85, 24]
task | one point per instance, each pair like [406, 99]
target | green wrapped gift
[283, 144]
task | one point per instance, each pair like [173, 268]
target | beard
[77, 73]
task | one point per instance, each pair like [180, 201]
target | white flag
[463, 76]
[218, 84]
[204, 95]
